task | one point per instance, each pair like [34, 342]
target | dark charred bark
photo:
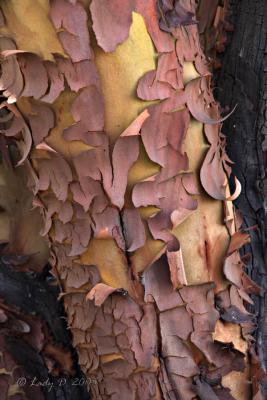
[243, 81]
[32, 295]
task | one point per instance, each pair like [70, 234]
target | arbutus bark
[242, 78]
[136, 203]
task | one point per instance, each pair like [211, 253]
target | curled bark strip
[99, 293]
[212, 175]
[201, 103]
[20, 130]
[238, 240]
[237, 191]
[7, 53]
[135, 127]
[176, 264]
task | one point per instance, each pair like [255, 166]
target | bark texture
[243, 81]
[37, 360]
[116, 122]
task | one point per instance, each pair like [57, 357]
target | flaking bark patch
[149, 332]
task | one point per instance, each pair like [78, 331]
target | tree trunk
[111, 107]
[242, 81]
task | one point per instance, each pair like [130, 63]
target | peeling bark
[31, 297]
[242, 81]
[128, 167]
